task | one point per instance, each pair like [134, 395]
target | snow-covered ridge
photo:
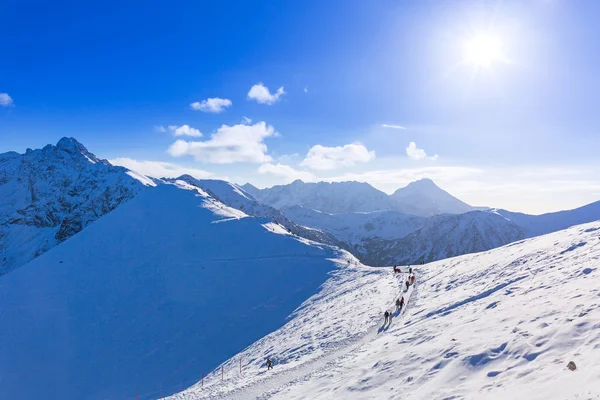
[164, 287]
[234, 196]
[501, 324]
[47, 195]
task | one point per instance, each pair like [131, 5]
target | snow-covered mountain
[48, 195]
[392, 237]
[443, 236]
[152, 294]
[335, 197]
[503, 324]
[354, 228]
[234, 196]
[535, 225]
[423, 198]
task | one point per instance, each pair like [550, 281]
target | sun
[483, 50]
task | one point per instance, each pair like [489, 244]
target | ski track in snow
[269, 385]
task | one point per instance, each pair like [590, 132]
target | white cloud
[5, 100]
[305, 89]
[418, 154]
[327, 158]
[229, 144]
[213, 105]
[246, 121]
[184, 130]
[393, 126]
[158, 169]
[289, 174]
[160, 128]
[261, 94]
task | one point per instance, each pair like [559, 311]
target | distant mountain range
[392, 237]
[423, 198]
[49, 195]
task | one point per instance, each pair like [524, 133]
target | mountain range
[48, 195]
[423, 198]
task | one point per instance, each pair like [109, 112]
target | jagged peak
[71, 145]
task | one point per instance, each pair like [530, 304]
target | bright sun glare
[483, 50]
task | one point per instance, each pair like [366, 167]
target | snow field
[502, 324]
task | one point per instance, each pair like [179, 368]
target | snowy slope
[164, 287]
[390, 237]
[423, 198]
[355, 228]
[236, 197]
[48, 195]
[535, 225]
[502, 324]
[444, 236]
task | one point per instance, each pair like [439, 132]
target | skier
[269, 364]
[410, 270]
[386, 316]
[407, 284]
[395, 270]
[412, 279]
[401, 302]
[398, 305]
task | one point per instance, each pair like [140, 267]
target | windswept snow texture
[502, 324]
[48, 195]
[165, 287]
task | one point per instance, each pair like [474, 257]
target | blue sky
[513, 125]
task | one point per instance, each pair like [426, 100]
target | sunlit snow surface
[496, 325]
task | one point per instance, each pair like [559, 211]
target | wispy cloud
[305, 89]
[229, 144]
[328, 158]
[158, 169]
[213, 105]
[5, 100]
[418, 154]
[393, 126]
[261, 94]
[184, 130]
[160, 128]
[246, 121]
